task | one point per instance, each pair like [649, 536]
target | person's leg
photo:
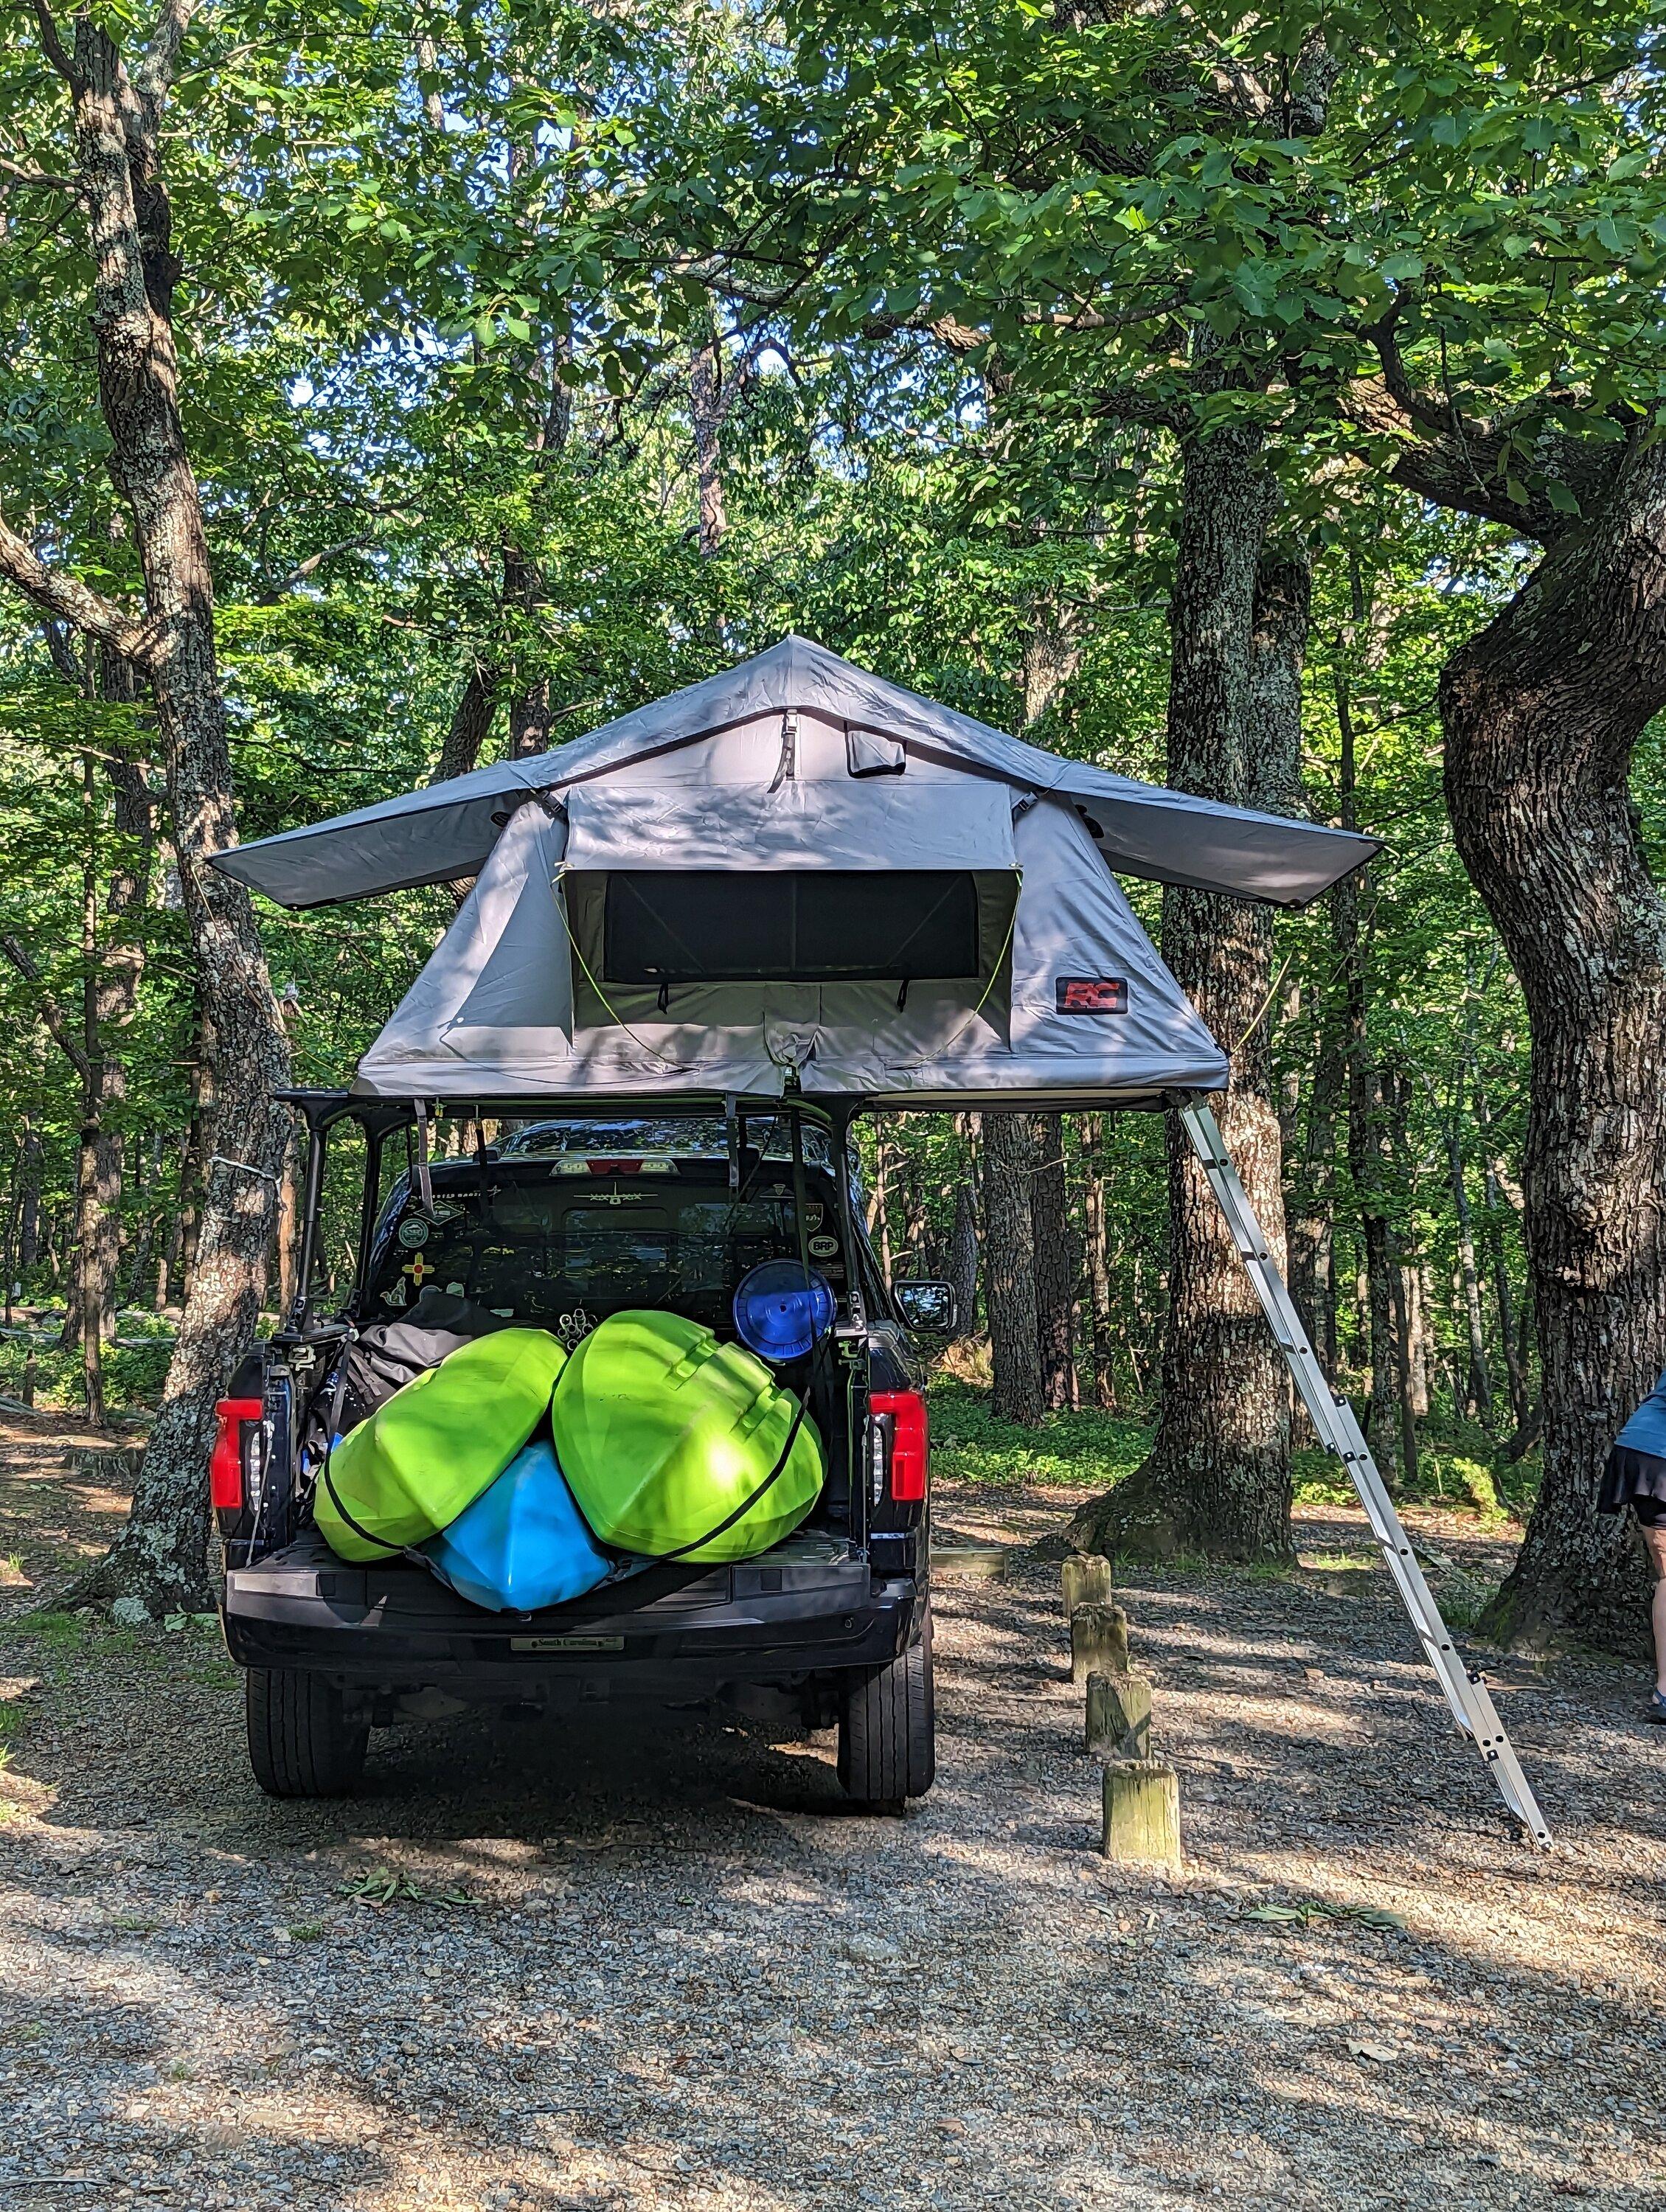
[1655, 1539]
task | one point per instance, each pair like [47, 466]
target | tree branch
[155, 74]
[42, 180]
[1469, 465]
[1443, 417]
[957, 338]
[54, 47]
[1127, 403]
[50, 1012]
[313, 563]
[62, 660]
[66, 599]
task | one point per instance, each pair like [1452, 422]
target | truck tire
[887, 1731]
[301, 1742]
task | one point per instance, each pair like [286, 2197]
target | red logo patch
[1090, 994]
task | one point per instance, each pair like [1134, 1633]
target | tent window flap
[711, 925]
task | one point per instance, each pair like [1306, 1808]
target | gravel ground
[675, 1971]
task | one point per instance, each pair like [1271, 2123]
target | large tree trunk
[1056, 1263]
[1009, 1268]
[160, 1558]
[1217, 1479]
[1541, 710]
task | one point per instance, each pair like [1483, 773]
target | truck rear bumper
[804, 1610]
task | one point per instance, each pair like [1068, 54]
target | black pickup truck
[569, 1219]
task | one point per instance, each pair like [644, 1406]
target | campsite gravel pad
[687, 1977]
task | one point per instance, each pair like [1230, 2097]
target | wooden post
[1085, 1578]
[1142, 1811]
[1099, 1642]
[1119, 1716]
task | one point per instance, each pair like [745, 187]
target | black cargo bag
[380, 1360]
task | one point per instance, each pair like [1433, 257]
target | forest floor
[650, 1960]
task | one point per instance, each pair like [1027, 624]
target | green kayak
[429, 1451]
[665, 1435]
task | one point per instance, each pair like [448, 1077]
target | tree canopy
[533, 360]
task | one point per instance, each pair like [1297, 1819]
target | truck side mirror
[933, 1307]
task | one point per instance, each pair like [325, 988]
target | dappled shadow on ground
[641, 1958]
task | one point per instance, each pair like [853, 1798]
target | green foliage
[423, 356]
[969, 1444]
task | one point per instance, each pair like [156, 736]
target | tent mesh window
[710, 926]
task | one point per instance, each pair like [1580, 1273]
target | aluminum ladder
[1334, 1423]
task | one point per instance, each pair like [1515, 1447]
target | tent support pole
[1334, 1424]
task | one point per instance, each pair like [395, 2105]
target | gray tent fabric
[824, 824]
[513, 1004]
[798, 696]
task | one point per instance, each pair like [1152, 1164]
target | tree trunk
[1217, 1479]
[470, 721]
[962, 1242]
[1009, 1268]
[160, 1559]
[1366, 1150]
[1098, 1268]
[1542, 711]
[707, 408]
[1515, 1366]
[1478, 1386]
[1056, 1263]
[288, 1224]
[878, 1207]
[1312, 1228]
[28, 1203]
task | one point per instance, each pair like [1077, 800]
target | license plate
[567, 1643]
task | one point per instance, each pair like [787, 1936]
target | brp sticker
[823, 1248]
[413, 1233]
[1090, 994]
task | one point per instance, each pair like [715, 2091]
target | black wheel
[887, 1731]
[301, 1742]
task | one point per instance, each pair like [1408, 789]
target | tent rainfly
[797, 875]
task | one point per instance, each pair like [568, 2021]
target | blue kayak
[523, 1544]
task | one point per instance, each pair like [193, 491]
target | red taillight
[225, 1467]
[907, 1409]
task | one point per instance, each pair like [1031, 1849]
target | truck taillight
[907, 1409]
[225, 1466]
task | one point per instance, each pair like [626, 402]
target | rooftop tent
[852, 724]
[797, 873]
[920, 946]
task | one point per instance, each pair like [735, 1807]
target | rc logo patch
[1090, 994]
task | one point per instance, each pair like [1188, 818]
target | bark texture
[1217, 1479]
[1056, 1264]
[1009, 1269]
[963, 1255]
[1541, 710]
[160, 1558]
